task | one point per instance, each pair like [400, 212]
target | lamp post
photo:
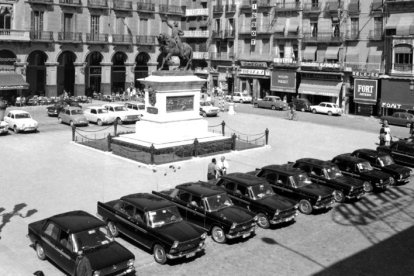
[231, 74]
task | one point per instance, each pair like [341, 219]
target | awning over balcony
[332, 52]
[402, 22]
[280, 25]
[293, 25]
[392, 21]
[320, 88]
[12, 81]
[352, 55]
[309, 53]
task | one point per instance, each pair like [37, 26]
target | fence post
[109, 142]
[223, 124]
[195, 148]
[152, 151]
[267, 136]
[73, 133]
[233, 141]
[115, 127]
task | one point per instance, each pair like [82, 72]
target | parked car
[295, 183]
[399, 118]
[327, 108]
[384, 162]
[140, 107]
[272, 102]
[255, 194]
[54, 110]
[402, 151]
[211, 208]
[155, 223]
[302, 104]
[80, 244]
[4, 127]
[98, 115]
[328, 174]
[362, 169]
[73, 116]
[208, 109]
[239, 97]
[20, 120]
[122, 114]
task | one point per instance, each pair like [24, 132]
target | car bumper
[321, 205]
[282, 220]
[355, 195]
[243, 234]
[27, 129]
[186, 254]
[128, 271]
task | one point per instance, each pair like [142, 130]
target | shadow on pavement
[6, 217]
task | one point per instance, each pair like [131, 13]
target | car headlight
[204, 236]
[233, 225]
[367, 186]
[352, 188]
[277, 212]
[97, 273]
[130, 262]
[175, 244]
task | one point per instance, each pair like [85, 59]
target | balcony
[93, 38]
[353, 8]
[196, 34]
[145, 7]
[98, 4]
[218, 9]
[264, 29]
[312, 8]
[41, 2]
[231, 8]
[351, 36]
[364, 66]
[402, 68]
[285, 62]
[286, 35]
[222, 56]
[263, 4]
[375, 35]
[121, 39]
[229, 34]
[70, 3]
[399, 5]
[171, 9]
[332, 7]
[217, 34]
[14, 35]
[322, 38]
[200, 55]
[146, 39]
[122, 5]
[287, 7]
[196, 12]
[69, 37]
[41, 36]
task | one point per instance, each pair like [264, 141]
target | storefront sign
[365, 91]
[391, 105]
[284, 81]
[284, 60]
[260, 64]
[365, 74]
[396, 94]
[321, 65]
[257, 72]
[253, 31]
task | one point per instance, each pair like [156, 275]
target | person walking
[212, 170]
[223, 166]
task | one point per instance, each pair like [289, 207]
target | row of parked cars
[174, 223]
[42, 100]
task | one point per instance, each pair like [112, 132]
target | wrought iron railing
[146, 39]
[70, 36]
[41, 35]
[117, 38]
[94, 37]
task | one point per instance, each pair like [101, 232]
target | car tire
[119, 121]
[305, 207]
[329, 113]
[113, 229]
[262, 221]
[40, 252]
[408, 125]
[15, 129]
[217, 234]
[99, 122]
[339, 196]
[314, 111]
[273, 107]
[204, 114]
[159, 254]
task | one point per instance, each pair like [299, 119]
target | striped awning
[12, 81]
[309, 53]
[352, 55]
[280, 25]
[404, 24]
[293, 25]
[332, 52]
[320, 88]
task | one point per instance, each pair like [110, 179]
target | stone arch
[118, 72]
[66, 72]
[36, 72]
[93, 72]
[141, 68]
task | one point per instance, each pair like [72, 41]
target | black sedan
[402, 151]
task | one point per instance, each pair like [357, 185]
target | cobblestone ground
[44, 174]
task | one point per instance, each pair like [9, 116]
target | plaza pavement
[44, 174]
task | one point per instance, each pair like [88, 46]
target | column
[106, 78]
[51, 78]
[79, 79]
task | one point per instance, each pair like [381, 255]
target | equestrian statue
[173, 46]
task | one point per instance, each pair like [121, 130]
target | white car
[239, 97]
[121, 113]
[207, 109]
[20, 120]
[98, 115]
[327, 108]
[140, 107]
[4, 127]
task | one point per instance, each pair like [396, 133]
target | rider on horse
[176, 34]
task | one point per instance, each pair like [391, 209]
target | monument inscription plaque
[180, 103]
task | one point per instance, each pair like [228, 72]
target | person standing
[223, 166]
[387, 134]
[212, 170]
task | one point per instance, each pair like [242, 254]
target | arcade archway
[118, 72]
[66, 73]
[141, 67]
[93, 73]
[36, 72]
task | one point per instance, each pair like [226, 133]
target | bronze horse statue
[169, 48]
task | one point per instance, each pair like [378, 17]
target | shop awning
[392, 21]
[280, 25]
[332, 52]
[293, 25]
[12, 81]
[309, 53]
[404, 24]
[352, 55]
[320, 88]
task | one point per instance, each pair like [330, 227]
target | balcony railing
[98, 4]
[350, 36]
[121, 39]
[70, 37]
[71, 3]
[333, 6]
[45, 2]
[375, 35]
[231, 8]
[18, 35]
[196, 12]
[122, 5]
[170, 9]
[145, 7]
[217, 34]
[222, 55]
[264, 29]
[218, 9]
[229, 33]
[322, 37]
[282, 7]
[196, 33]
[200, 55]
[146, 39]
[364, 66]
[41, 36]
[96, 38]
[312, 7]
[286, 62]
[264, 4]
[406, 68]
[286, 36]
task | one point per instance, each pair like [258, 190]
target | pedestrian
[382, 135]
[212, 170]
[387, 134]
[223, 166]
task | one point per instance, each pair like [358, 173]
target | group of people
[216, 169]
[385, 134]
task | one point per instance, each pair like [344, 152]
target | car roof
[285, 168]
[349, 158]
[245, 179]
[147, 202]
[134, 103]
[72, 107]
[201, 189]
[95, 107]
[370, 152]
[76, 221]
[113, 104]
[314, 161]
[18, 112]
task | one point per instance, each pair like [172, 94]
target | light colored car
[272, 102]
[239, 97]
[73, 116]
[20, 120]
[98, 115]
[327, 108]
[4, 127]
[208, 109]
[122, 114]
[140, 107]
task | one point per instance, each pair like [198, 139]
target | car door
[196, 211]
[49, 238]
[126, 221]
[65, 257]
[92, 115]
[322, 108]
[263, 103]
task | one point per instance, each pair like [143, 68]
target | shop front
[397, 94]
[365, 96]
[11, 82]
[254, 78]
[283, 78]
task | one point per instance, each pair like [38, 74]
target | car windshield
[77, 112]
[385, 160]
[217, 202]
[364, 167]
[93, 238]
[22, 116]
[333, 172]
[141, 107]
[261, 191]
[102, 111]
[120, 108]
[301, 180]
[163, 216]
